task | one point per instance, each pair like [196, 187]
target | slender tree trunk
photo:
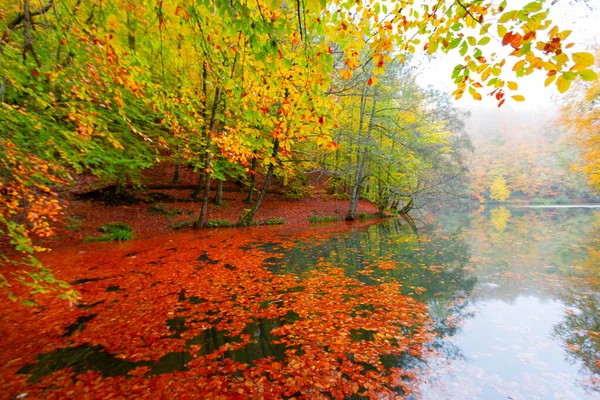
[245, 221]
[202, 159]
[252, 181]
[219, 194]
[362, 159]
[177, 166]
[203, 216]
[199, 185]
[407, 207]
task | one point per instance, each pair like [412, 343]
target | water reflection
[511, 292]
[536, 325]
[513, 296]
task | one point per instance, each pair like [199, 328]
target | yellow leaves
[560, 59]
[563, 35]
[502, 31]
[518, 98]
[512, 85]
[484, 29]
[563, 84]
[550, 79]
[476, 95]
[346, 74]
[507, 16]
[534, 6]
[583, 60]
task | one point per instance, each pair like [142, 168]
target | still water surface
[514, 292]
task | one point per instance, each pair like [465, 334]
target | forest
[111, 98]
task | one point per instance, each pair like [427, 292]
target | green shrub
[73, 224]
[181, 225]
[366, 216]
[541, 201]
[562, 199]
[159, 209]
[324, 218]
[113, 231]
[215, 223]
[273, 221]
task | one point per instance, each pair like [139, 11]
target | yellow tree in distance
[498, 190]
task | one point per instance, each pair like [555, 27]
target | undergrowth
[273, 221]
[113, 231]
[323, 218]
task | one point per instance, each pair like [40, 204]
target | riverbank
[152, 212]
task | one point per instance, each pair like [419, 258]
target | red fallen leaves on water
[216, 282]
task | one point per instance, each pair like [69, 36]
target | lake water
[512, 296]
[514, 292]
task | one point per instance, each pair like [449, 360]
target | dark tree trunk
[407, 207]
[252, 182]
[202, 157]
[219, 193]
[203, 216]
[359, 174]
[199, 185]
[245, 221]
[177, 167]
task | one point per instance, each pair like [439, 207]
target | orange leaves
[180, 11]
[238, 329]
[346, 74]
[514, 39]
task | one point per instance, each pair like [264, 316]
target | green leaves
[588, 75]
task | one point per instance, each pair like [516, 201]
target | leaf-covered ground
[153, 211]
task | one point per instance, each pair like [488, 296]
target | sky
[584, 21]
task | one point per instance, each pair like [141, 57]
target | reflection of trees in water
[580, 328]
[580, 331]
[432, 266]
[499, 218]
[536, 246]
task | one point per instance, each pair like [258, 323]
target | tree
[110, 89]
[581, 114]
[498, 189]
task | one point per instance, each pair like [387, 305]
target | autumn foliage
[192, 318]
[230, 88]
[581, 114]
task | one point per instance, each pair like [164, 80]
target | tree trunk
[199, 185]
[177, 166]
[219, 193]
[245, 221]
[203, 216]
[407, 207]
[362, 159]
[202, 159]
[252, 181]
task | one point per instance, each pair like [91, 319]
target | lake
[515, 293]
[500, 303]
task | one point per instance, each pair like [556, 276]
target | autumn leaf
[583, 59]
